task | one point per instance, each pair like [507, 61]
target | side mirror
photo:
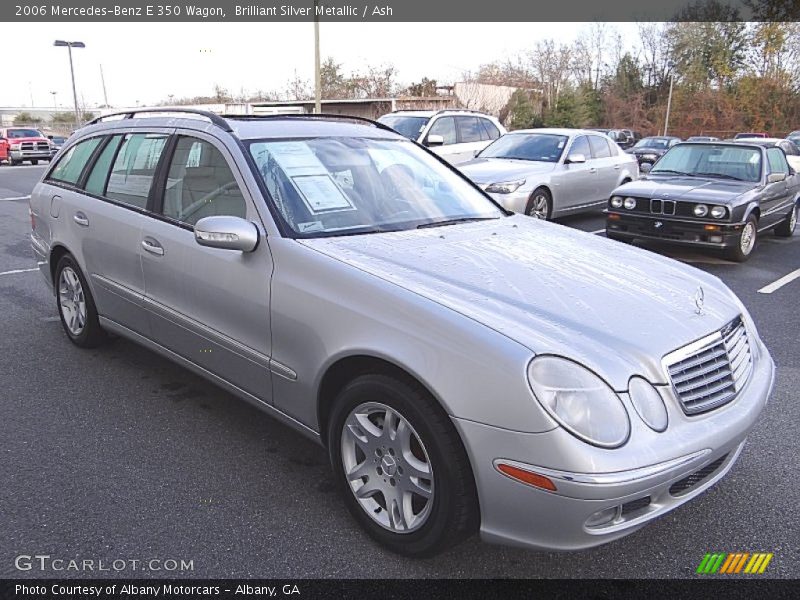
[228, 233]
[434, 140]
[776, 177]
[476, 153]
[576, 158]
[645, 167]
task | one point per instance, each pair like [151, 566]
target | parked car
[455, 135]
[24, 143]
[794, 136]
[789, 148]
[623, 137]
[745, 135]
[466, 368]
[716, 196]
[702, 138]
[57, 141]
[648, 150]
[547, 173]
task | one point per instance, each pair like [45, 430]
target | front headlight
[616, 201]
[718, 212]
[506, 187]
[648, 403]
[630, 203]
[650, 156]
[580, 401]
[700, 210]
[14, 146]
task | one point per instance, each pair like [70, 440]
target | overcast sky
[146, 63]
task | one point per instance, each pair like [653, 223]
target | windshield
[409, 127]
[23, 133]
[711, 160]
[345, 185]
[653, 142]
[542, 147]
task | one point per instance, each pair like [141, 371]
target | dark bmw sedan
[648, 150]
[711, 195]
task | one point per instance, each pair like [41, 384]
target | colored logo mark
[724, 563]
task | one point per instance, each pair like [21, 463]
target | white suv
[455, 135]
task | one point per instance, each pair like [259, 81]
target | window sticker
[310, 226]
[321, 194]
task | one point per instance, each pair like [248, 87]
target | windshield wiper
[670, 171]
[722, 175]
[455, 221]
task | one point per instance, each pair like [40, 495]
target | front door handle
[592, 170]
[81, 219]
[152, 246]
[616, 167]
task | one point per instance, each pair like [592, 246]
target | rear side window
[470, 129]
[201, 184]
[490, 131]
[777, 161]
[135, 167]
[599, 146]
[96, 183]
[70, 166]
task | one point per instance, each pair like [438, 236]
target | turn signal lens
[711, 227]
[527, 477]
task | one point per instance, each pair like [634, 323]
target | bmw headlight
[700, 210]
[616, 201]
[506, 187]
[580, 401]
[630, 203]
[718, 212]
[648, 403]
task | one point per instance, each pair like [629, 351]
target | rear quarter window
[69, 167]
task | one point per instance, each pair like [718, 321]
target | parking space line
[776, 285]
[15, 271]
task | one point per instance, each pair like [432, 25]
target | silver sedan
[547, 173]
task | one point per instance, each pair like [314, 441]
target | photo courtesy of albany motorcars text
[468, 368]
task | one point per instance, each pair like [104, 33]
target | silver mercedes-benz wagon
[467, 368]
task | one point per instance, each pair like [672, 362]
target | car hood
[695, 189]
[658, 151]
[498, 170]
[611, 306]
[27, 139]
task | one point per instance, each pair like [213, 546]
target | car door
[777, 197]
[471, 138]
[108, 216]
[208, 305]
[445, 127]
[575, 184]
[607, 164]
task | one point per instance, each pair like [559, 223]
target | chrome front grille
[710, 372]
[34, 146]
[662, 207]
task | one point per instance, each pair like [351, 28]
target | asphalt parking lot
[115, 453]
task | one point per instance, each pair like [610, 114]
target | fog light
[603, 517]
[716, 239]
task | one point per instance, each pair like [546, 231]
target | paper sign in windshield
[321, 194]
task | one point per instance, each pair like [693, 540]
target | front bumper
[516, 201]
[677, 231]
[30, 154]
[662, 472]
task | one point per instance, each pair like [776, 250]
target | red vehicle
[741, 136]
[18, 144]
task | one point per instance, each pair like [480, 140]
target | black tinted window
[134, 168]
[599, 147]
[200, 184]
[71, 164]
[470, 129]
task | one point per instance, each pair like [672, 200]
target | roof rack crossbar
[129, 114]
[310, 116]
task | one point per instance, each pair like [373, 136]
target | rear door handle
[152, 246]
[592, 170]
[81, 219]
[616, 167]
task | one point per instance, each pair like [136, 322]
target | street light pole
[669, 98]
[317, 75]
[70, 46]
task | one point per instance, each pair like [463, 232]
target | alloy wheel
[539, 207]
[748, 238]
[72, 301]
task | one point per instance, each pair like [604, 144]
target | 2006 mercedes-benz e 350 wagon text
[467, 368]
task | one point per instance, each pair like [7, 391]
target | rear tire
[76, 306]
[786, 227]
[746, 242]
[385, 432]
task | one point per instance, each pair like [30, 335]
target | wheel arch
[57, 251]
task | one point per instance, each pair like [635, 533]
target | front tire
[786, 227]
[76, 305]
[746, 242]
[35, 162]
[401, 467]
[540, 204]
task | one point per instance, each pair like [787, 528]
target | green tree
[522, 113]
[426, 87]
[26, 118]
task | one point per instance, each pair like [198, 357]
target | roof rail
[442, 110]
[308, 116]
[129, 114]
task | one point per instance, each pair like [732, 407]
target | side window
[445, 127]
[789, 148]
[70, 166]
[581, 146]
[599, 147]
[134, 168]
[777, 161]
[96, 183]
[469, 129]
[200, 184]
[490, 130]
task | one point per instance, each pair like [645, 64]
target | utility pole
[70, 46]
[669, 97]
[103, 80]
[55, 104]
[317, 75]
